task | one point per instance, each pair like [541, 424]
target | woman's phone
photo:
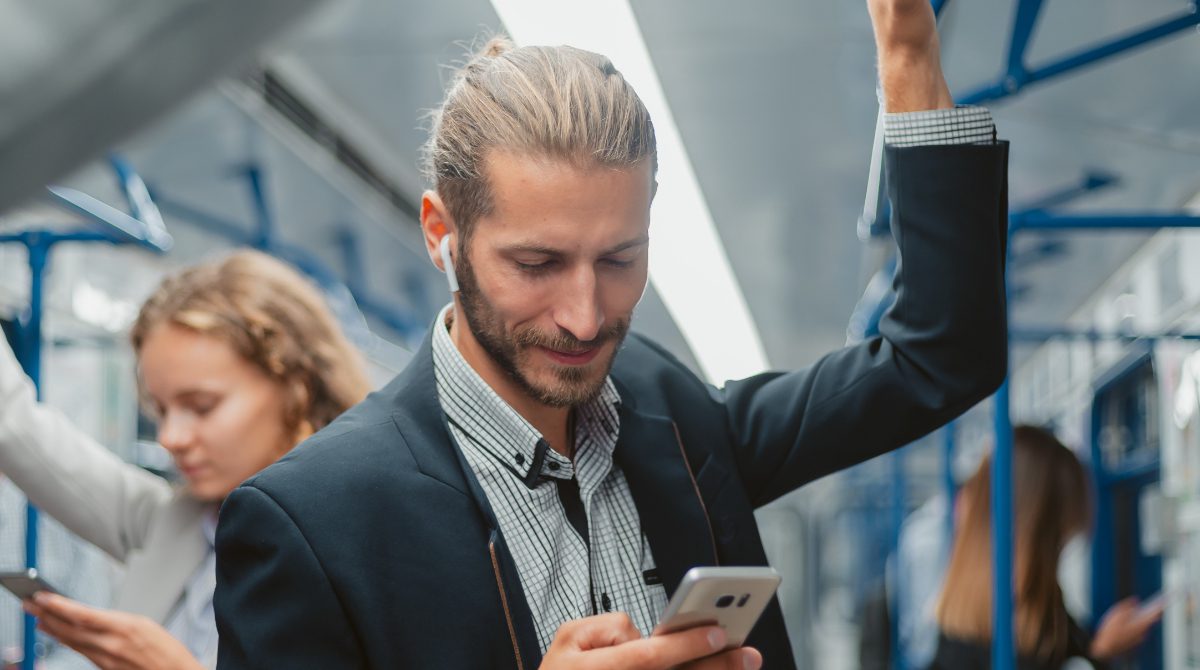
[732, 598]
[25, 583]
[1153, 607]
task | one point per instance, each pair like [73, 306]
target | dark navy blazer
[372, 546]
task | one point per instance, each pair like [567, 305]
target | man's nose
[578, 311]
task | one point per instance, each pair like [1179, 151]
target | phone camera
[742, 601]
[724, 601]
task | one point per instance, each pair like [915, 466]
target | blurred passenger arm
[67, 474]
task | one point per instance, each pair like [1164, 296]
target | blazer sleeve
[264, 565]
[67, 474]
[941, 349]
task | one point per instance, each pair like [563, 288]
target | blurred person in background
[1051, 505]
[238, 359]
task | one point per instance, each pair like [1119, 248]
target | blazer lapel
[419, 417]
[422, 423]
[664, 489]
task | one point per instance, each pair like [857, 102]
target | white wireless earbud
[448, 264]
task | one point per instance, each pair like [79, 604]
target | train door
[1126, 470]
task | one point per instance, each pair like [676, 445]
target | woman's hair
[1051, 504]
[554, 102]
[273, 318]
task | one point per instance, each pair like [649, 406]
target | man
[530, 491]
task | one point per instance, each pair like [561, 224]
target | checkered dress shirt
[564, 576]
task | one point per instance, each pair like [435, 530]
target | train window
[1129, 431]
[1170, 284]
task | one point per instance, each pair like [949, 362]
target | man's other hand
[612, 641]
[910, 69]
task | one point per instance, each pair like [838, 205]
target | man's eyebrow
[538, 248]
[628, 244]
[531, 248]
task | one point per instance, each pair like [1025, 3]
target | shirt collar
[502, 433]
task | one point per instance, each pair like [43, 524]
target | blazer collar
[412, 398]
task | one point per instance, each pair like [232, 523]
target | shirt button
[519, 458]
[553, 466]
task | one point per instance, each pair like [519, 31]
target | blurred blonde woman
[1051, 505]
[238, 359]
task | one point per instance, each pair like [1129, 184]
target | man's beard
[571, 385]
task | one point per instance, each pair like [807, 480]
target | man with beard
[531, 490]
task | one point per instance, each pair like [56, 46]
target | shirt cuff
[965, 124]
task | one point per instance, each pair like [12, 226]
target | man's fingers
[659, 652]
[745, 658]
[603, 630]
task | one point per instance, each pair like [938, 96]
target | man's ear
[435, 224]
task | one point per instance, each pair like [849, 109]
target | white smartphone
[732, 598]
[25, 583]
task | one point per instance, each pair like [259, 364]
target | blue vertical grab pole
[948, 485]
[1003, 647]
[31, 361]
[1003, 656]
[899, 497]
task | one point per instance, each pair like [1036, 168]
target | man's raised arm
[942, 347]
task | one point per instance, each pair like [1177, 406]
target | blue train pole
[1003, 656]
[30, 357]
[899, 500]
[949, 487]
[1003, 645]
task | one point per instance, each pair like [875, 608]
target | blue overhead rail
[105, 224]
[1017, 74]
[263, 236]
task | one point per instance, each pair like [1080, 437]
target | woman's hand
[1123, 628]
[110, 639]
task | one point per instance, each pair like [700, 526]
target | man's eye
[535, 268]
[617, 263]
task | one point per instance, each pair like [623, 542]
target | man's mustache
[568, 343]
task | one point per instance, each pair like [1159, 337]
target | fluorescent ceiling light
[687, 262]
